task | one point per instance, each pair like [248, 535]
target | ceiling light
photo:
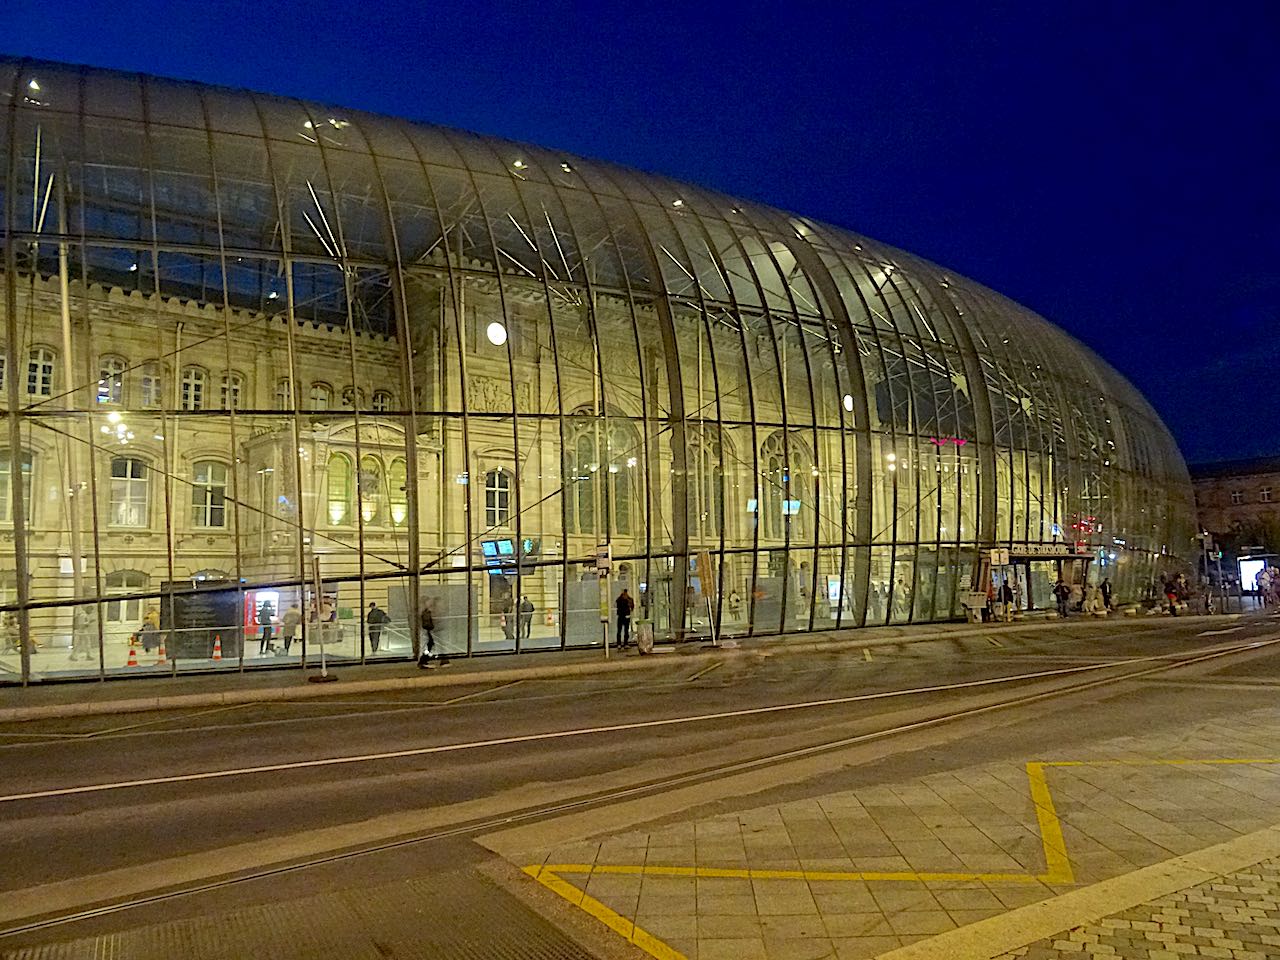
[677, 202]
[566, 168]
[32, 85]
[848, 402]
[519, 164]
[496, 333]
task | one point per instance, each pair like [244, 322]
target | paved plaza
[1236, 916]
[869, 871]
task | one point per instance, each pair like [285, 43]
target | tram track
[1150, 666]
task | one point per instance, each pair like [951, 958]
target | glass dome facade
[261, 351]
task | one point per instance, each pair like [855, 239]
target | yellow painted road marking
[610, 918]
[747, 873]
[866, 654]
[705, 670]
[1057, 862]
[994, 642]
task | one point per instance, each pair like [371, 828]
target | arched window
[111, 380]
[284, 394]
[129, 500]
[6, 492]
[232, 384]
[40, 372]
[398, 494]
[786, 499]
[706, 489]
[150, 384]
[193, 381]
[338, 492]
[592, 474]
[209, 494]
[382, 401]
[126, 612]
[321, 396]
[497, 498]
[371, 490]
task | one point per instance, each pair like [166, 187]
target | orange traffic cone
[217, 647]
[161, 656]
[133, 656]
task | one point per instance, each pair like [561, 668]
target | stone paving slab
[857, 873]
[1235, 917]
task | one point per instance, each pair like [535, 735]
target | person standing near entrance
[1061, 593]
[1006, 600]
[623, 606]
[266, 620]
[526, 617]
[375, 620]
[1106, 593]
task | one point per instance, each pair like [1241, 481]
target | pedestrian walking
[1171, 595]
[1106, 593]
[82, 634]
[526, 617]
[623, 606]
[375, 620]
[289, 625]
[506, 618]
[427, 622]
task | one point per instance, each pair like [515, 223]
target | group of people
[1267, 582]
[289, 624]
[1083, 598]
[514, 626]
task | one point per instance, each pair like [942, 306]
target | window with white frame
[129, 484]
[497, 497]
[209, 494]
[111, 380]
[382, 401]
[40, 372]
[149, 384]
[129, 611]
[193, 383]
[231, 389]
[1264, 495]
[1237, 497]
[321, 396]
[284, 394]
[6, 493]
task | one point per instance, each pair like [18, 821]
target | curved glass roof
[251, 173]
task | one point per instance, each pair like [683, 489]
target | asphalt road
[81, 798]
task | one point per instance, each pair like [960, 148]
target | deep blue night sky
[1113, 166]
